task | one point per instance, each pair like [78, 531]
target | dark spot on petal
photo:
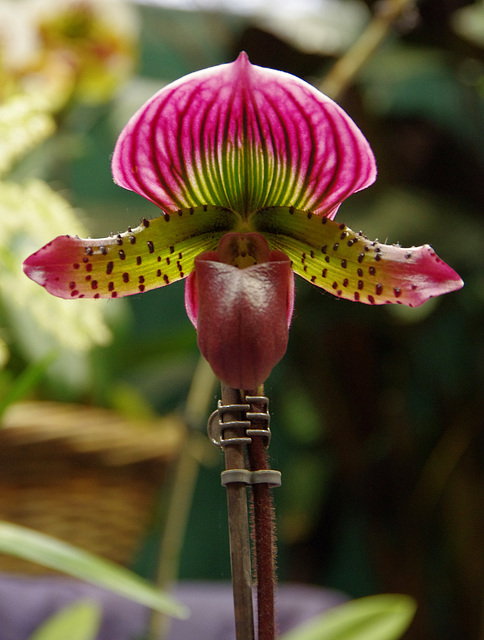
[343, 235]
[378, 289]
[313, 279]
[76, 265]
[335, 285]
[89, 267]
[378, 257]
[192, 211]
[74, 293]
[324, 220]
[408, 256]
[141, 287]
[121, 254]
[141, 279]
[110, 286]
[165, 278]
[114, 294]
[361, 257]
[119, 239]
[138, 260]
[291, 210]
[360, 284]
[72, 285]
[342, 225]
[97, 295]
[167, 260]
[335, 246]
[371, 299]
[89, 251]
[158, 273]
[166, 216]
[356, 296]
[109, 268]
[310, 215]
[360, 272]
[132, 239]
[326, 258]
[146, 223]
[125, 277]
[94, 284]
[343, 264]
[85, 260]
[172, 249]
[103, 250]
[397, 291]
[88, 278]
[150, 245]
[324, 248]
[346, 282]
[372, 271]
[312, 254]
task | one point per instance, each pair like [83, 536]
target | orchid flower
[249, 166]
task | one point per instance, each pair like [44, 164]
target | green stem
[180, 496]
[348, 66]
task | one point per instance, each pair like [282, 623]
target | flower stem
[238, 528]
[264, 542]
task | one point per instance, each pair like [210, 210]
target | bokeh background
[377, 413]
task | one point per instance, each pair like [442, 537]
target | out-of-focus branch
[347, 67]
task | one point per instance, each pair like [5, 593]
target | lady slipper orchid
[249, 167]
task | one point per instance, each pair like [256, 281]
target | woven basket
[84, 475]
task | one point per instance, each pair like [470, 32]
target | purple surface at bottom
[25, 602]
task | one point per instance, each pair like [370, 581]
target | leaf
[382, 617]
[47, 551]
[78, 621]
[26, 381]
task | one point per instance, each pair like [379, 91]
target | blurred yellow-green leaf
[78, 621]
[47, 551]
[383, 617]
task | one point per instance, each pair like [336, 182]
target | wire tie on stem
[262, 476]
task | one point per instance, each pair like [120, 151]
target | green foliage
[47, 551]
[78, 621]
[25, 382]
[383, 617]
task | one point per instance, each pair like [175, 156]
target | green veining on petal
[348, 264]
[154, 254]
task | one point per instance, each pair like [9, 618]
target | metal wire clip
[216, 425]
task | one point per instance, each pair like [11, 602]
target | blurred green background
[377, 413]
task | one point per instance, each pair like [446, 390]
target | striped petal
[153, 255]
[243, 137]
[349, 265]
